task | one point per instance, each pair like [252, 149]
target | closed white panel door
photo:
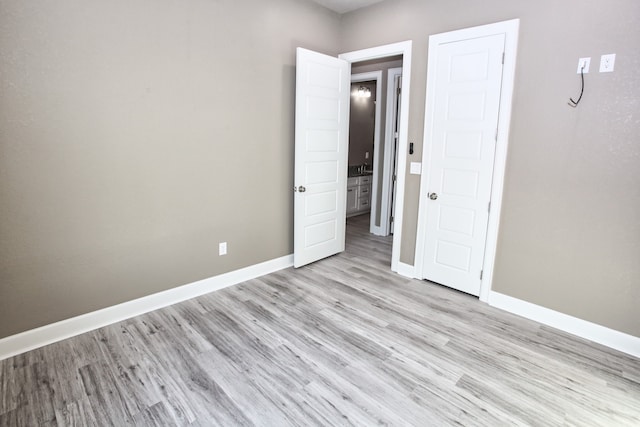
[321, 137]
[461, 126]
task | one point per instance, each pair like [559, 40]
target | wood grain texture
[343, 341]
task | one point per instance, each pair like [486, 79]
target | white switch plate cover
[222, 248]
[416, 168]
[586, 62]
[607, 62]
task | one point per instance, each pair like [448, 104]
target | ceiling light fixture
[363, 92]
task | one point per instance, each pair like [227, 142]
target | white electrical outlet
[607, 62]
[584, 62]
[222, 248]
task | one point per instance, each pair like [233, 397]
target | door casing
[390, 153]
[510, 29]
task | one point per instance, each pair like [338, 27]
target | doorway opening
[364, 139]
[373, 138]
[385, 58]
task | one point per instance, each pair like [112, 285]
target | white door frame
[404, 49]
[377, 77]
[510, 29]
[389, 153]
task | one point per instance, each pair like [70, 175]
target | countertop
[353, 175]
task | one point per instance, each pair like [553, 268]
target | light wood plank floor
[340, 342]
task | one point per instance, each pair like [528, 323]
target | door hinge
[394, 178]
[391, 221]
[481, 274]
[502, 58]
[496, 134]
[399, 91]
[489, 207]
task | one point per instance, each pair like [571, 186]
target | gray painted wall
[569, 234]
[131, 144]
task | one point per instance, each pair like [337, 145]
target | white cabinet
[358, 195]
[352, 196]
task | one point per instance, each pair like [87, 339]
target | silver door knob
[301, 189]
[433, 196]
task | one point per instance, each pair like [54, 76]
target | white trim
[510, 29]
[363, 77]
[48, 334]
[406, 270]
[600, 334]
[404, 49]
[389, 154]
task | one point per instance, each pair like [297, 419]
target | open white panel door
[463, 104]
[321, 144]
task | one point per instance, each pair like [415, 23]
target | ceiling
[344, 6]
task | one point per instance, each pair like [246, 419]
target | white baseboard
[48, 334]
[406, 270]
[600, 334]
